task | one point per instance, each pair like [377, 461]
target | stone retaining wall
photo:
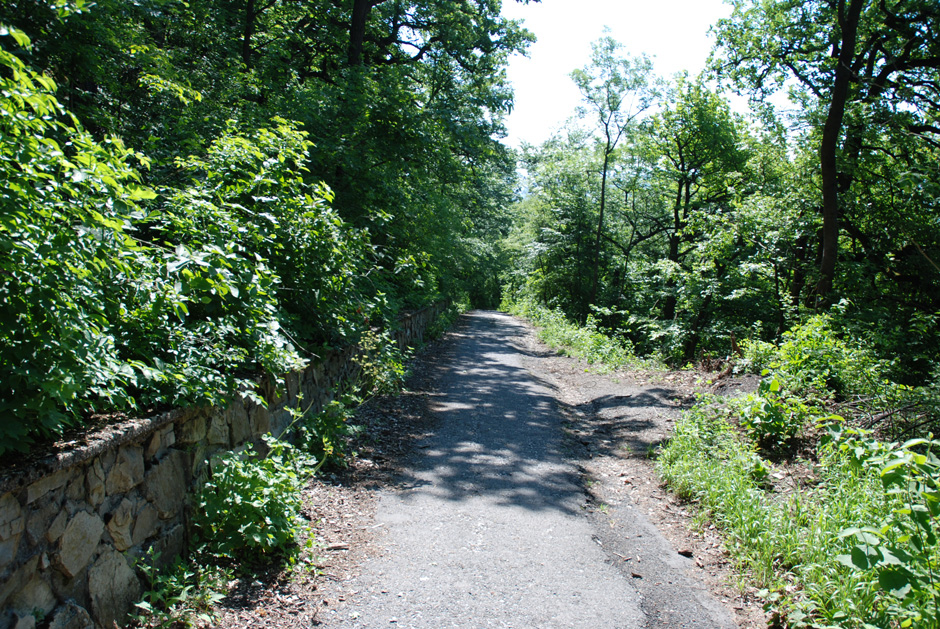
[73, 523]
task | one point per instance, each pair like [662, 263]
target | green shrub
[854, 548]
[813, 356]
[112, 299]
[250, 504]
[757, 356]
[772, 417]
[249, 196]
[325, 435]
[705, 445]
[900, 552]
[381, 363]
[181, 595]
[68, 261]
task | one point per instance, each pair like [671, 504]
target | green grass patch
[586, 341]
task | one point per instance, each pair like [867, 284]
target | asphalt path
[489, 527]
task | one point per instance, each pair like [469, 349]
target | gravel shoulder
[510, 486]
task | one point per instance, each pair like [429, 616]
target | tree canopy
[198, 191]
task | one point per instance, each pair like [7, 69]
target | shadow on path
[499, 434]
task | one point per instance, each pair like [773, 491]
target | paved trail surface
[489, 528]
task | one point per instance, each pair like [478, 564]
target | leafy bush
[790, 542]
[900, 553]
[249, 196]
[813, 356]
[772, 417]
[381, 364]
[325, 435]
[114, 300]
[250, 505]
[68, 261]
[182, 595]
[703, 445]
[757, 356]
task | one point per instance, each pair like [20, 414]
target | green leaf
[865, 557]
[139, 193]
[897, 582]
[19, 36]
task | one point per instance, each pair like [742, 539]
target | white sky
[673, 32]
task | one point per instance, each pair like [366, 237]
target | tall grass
[586, 342]
[788, 543]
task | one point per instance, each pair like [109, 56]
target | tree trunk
[695, 330]
[249, 33]
[669, 307]
[357, 30]
[798, 277]
[600, 223]
[829, 147]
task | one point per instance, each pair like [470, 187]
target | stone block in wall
[113, 588]
[70, 588]
[57, 527]
[292, 387]
[119, 525]
[166, 483]
[170, 546]
[145, 525]
[12, 520]
[219, 433]
[237, 417]
[71, 615]
[75, 489]
[8, 551]
[107, 459]
[279, 421]
[169, 436]
[24, 620]
[46, 485]
[127, 471]
[35, 595]
[20, 577]
[37, 524]
[193, 429]
[12, 523]
[79, 542]
[94, 483]
[154, 446]
[313, 375]
[260, 419]
[159, 441]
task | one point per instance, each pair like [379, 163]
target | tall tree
[403, 101]
[853, 63]
[616, 89]
[696, 146]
